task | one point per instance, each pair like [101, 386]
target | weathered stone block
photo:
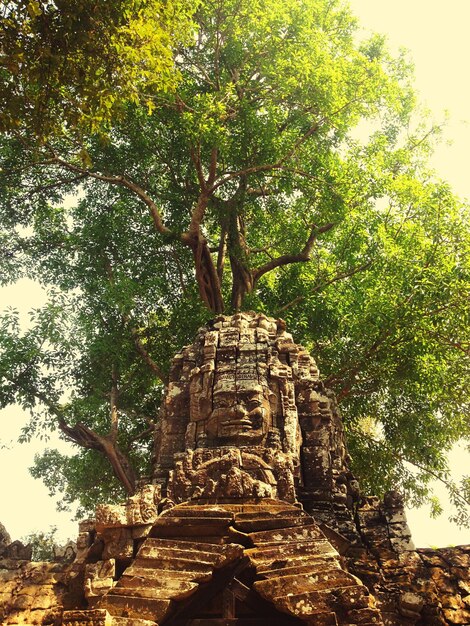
[118, 544]
[129, 606]
[402, 544]
[409, 602]
[96, 617]
[99, 577]
[459, 616]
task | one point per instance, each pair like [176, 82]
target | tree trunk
[242, 283]
[87, 438]
[207, 276]
[242, 275]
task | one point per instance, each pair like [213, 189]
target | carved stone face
[243, 417]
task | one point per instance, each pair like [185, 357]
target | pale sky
[436, 33]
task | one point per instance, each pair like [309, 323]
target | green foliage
[285, 148]
[42, 543]
[67, 476]
[73, 64]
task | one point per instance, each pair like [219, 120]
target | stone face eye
[223, 403]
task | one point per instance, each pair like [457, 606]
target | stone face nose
[239, 410]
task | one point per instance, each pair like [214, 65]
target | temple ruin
[252, 516]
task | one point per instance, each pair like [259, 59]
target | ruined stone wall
[426, 587]
[408, 586]
[32, 593]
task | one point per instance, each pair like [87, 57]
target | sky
[436, 34]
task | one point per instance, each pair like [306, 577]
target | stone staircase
[167, 570]
[298, 570]
[197, 550]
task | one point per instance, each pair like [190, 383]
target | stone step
[263, 512]
[192, 546]
[99, 617]
[188, 575]
[190, 526]
[169, 562]
[181, 512]
[352, 600]
[157, 551]
[173, 587]
[214, 554]
[354, 597]
[260, 523]
[253, 507]
[131, 621]
[241, 621]
[282, 535]
[312, 603]
[312, 565]
[289, 551]
[129, 606]
[328, 578]
[211, 511]
[216, 540]
[304, 605]
[328, 618]
[364, 617]
[280, 565]
[152, 592]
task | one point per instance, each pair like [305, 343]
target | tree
[68, 67]
[45, 546]
[250, 171]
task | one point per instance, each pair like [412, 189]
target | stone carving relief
[231, 473]
[244, 414]
[138, 510]
[99, 578]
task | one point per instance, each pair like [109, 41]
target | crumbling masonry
[252, 517]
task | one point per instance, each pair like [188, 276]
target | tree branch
[322, 286]
[221, 254]
[196, 159]
[135, 335]
[87, 438]
[62, 181]
[245, 172]
[424, 468]
[180, 272]
[289, 304]
[197, 215]
[146, 356]
[113, 406]
[301, 257]
[123, 182]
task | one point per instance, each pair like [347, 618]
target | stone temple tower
[252, 516]
[245, 386]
